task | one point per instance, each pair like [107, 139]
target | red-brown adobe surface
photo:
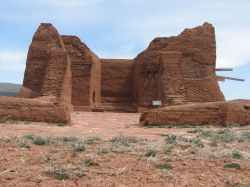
[47, 70]
[175, 70]
[179, 69]
[40, 110]
[213, 113]
[86, 74]
[117, 80]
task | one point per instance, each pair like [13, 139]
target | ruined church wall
[117, 80]
[212, 113]
[86, 74]
[183, 68]
[95, 82]
[48, 66]
[38, 110]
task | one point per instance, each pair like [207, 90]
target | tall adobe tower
[178, 70]
[47, 70]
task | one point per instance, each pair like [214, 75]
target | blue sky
[123, 28]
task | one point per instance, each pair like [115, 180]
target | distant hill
[8, 89]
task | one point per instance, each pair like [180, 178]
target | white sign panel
[156, 103]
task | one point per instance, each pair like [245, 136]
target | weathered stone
[48, 66]
[117, 80]
[178, 70]
[86, 74]
[40, 109]
[212, 113]
[174, 70]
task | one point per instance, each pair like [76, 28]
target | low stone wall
[213, 113]
[38, 110]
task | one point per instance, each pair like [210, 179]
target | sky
[124, 28]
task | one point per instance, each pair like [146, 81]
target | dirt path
[84, 124]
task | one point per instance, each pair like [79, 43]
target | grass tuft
[151, 153]
[40, 141]
[163, 166]
[232, 166]
[236, 155]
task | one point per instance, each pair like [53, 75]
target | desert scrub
[123, 140]
[9, 139]
[230, 183]
[67, 139]
[167, 149]
[171, 139]
[92, 140]
[22, 143]
[151, 153]
[245, 136]
[236, 155]
[38, 140]
[90, 161]
[164, 165]
[103, 151]
[232, 166]
[58, 172]
[29, 137]
[78, 146]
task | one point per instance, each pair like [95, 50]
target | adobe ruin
[175, 70]
[62, 74]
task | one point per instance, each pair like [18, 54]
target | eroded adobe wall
[47, 70]
[178, 70]
[212, 113]
[86, 74]
[95, 81]
[39, 110]
[117, 80]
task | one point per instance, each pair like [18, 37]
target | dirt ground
[110, 149]
[104, 125]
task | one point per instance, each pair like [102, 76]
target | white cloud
[12, 60]
[233, 47]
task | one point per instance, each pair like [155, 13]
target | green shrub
[123, 140]
[236, 155]
[232, 166]
[78, 147]
[40, 141]
[89, 162]
[58, 172]
[164, 166]
[151, 153]
[170, 139]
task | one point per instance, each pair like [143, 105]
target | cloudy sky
[123, 28]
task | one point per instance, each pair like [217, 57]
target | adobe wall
[212, 113]
[117, 80]
[39, 110]
[86, 74]
[47, 70]
[178, 70]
